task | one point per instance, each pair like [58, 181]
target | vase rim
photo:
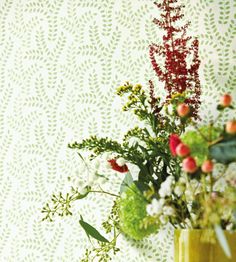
[196, 230]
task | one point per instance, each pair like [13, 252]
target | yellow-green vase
[202, 246]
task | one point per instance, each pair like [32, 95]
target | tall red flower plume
[174, 141]
[179, 53]
[116, 167]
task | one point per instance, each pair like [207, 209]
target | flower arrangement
[185, 172]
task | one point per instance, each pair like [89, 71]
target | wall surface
[60, 62]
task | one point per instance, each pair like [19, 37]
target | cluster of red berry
[178, 148]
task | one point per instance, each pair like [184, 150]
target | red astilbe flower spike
[116, 167]
[178, 75]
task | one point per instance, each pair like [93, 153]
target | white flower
[162, 201]
[120, 161]
[163, 219]
[189, 195]
[154, 176]
[166, 187]
[155, 208]
[182, 180]
[194, 183]
[144, 162]
[168, 210]
[229, 227]
[179, 190]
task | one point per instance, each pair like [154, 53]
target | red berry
[189, 165]
[231, 127]
[226, 100]
[183, 110]
[207, 166]
[182, 150]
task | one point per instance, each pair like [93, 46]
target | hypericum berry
[226, 100]
[182, 150]
[207, 166]
[189, 165]
[231, 127]
[183, 110]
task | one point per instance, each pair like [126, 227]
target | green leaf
[197, 144]
[225, 151]
[128, 180]
[91, 231]
[222, 240]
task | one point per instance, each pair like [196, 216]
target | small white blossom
[179, 190]
[155, 208]
[189, 195]
[168, 210]
[194, 183]
[182, 180]
[229, 227]
[166, 187]
[120, 161]
[162, 201]
[154, 176]
[144, 162]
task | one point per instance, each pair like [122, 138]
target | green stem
[103, 192]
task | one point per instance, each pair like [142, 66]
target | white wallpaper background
[60, 62]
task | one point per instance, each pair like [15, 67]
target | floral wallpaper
[60, 62]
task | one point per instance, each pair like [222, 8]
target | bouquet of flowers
[185, 171]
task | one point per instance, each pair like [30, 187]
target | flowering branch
[178, 76]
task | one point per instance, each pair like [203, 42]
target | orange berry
[189, 165]
[183, 110]
[226, 100]
[207, 166]
[231, 127]
[182, 150]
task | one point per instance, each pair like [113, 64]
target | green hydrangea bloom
[132, 211]
[197, 144]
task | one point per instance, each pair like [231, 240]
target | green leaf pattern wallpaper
[60, 63]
